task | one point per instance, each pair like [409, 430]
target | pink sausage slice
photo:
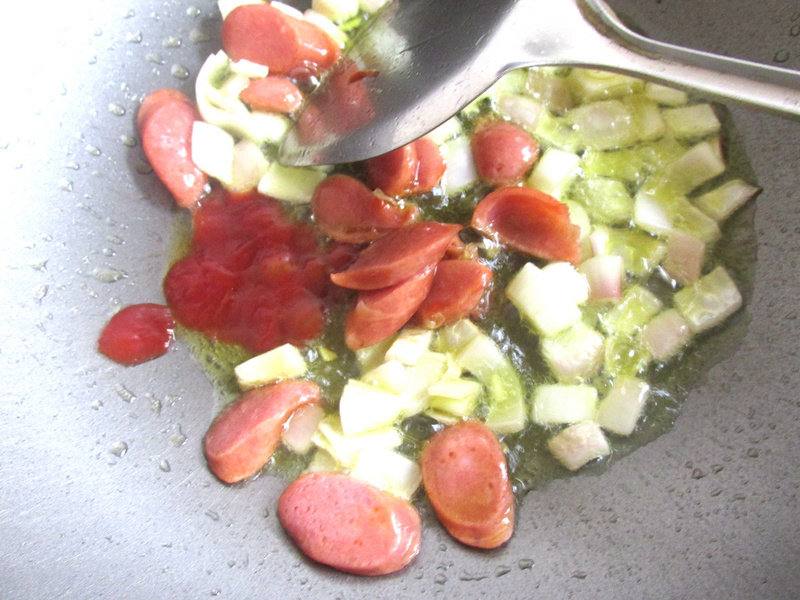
[465, 476]
[397, 256]
[242, 438]
[350, 525]
[456, 292]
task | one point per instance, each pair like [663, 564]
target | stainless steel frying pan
[103, 489]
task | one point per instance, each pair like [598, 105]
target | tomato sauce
[253, 276]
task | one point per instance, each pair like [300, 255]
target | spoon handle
[617, 47]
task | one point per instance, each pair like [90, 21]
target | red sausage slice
[316, 46]
[241, 439]
[274, 94]
[348, 211]
[378, 314]
[466, 479]
[350, 525]
[503, 152]
[431, 165]
[395, 172]
[165, 122]
[397, 256]
[458, 287]
[137, 333]
[528, 221]
[261, 34]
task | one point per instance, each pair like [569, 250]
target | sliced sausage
[346, 210]
[165, 122]
[397, 256]
[243, 437]
[457, 289]
[137, 333]
[273, 94]
[503, 152]
[378, 314]
[350, 525]
[529, 221]
[465, 476]
[430, 165]
[395, 172]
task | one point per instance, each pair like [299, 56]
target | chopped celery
[638, 305]
[409, 345]
[641, 253]
[588, 85]
[633, 164]
[606, 200]
[603, 125]
[558, 132]
[457, 397]
[723, 201]
[391, 376]
[364, 407]
[520, 108]
[559, 403]
[685, 257]
[579, 444]
[283, 362]
[647, 117]
[431, 367]
[575, 353]
[620, 410]
[447, 131]
[604, 275]
[550, 89]
[665, 95]
[624, 355]
[698, 164]
[709, 301]
[691, 122]
[292, 184]
[553, 170]
[666, 334]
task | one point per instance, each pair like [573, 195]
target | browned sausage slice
[458, 287]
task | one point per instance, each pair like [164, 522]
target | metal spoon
[421, 61]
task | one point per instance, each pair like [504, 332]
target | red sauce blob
[253, 277]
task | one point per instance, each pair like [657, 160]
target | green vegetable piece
[709, 301]
[606, 200]
[636, 308]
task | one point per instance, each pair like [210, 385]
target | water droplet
[92, 60]
[116, 109]
[193, 11]
[781, 56]
[144, 168]
[179, 71]
[213, 515]
[63, 90]
[440, 579]
[698, 474]
[177, 438]
[93, 150]
[155, 58]
[172, 42]
[40, 292]
[127, 140]
[96, 404]
[502, 570]
[65, 184]
[216, 592]
[443, 547]
[471, 577]
[125, 394]
[716, 492]
[794, 31]
[73, 165]
[129, 14]
[134, 38]
[114, 239]
[108, 274]
[752, 452]
[716, 468]
[578, 575]
[164, 465]
[119, 449]
[199, 36]
[108, 252]
[98, 32]
[525, 563]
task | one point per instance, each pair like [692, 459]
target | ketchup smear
[253, 277]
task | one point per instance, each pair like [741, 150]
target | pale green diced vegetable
[292, 184]
[372, 356]
[431, 367]
[575, 353]
[445, 132]
[452, 338]
[558, 132]
[579, 444]
[606, 200]
[641, 253]
[624, 355]
[326, 354]
[553, 170]
[665, 95]
[646, 117]
[249, 69]
[698, 164]
[652, 215]
[391, 376]
[283, 362]
[409, 345]
[346, 448]
[588, 85]
[232, 87]
[659, 213]
[560, 403]
[249, 166]
[579, 217]
[457, 397]
[721, 202]
[484, 359]
[460, 171]
[323, 462]
[691, 122]
[604, 125]
[363, 407]
[520, 108]
[631, 164]
[371, 6]
[337, 11]
[550, 89]
[389, 471]
[685, 257]
[212, 151]
[266, 126]
[638, 305]
[709, 301]
[666, 334]
[621, 409]
[566, 282]
[690, 219]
